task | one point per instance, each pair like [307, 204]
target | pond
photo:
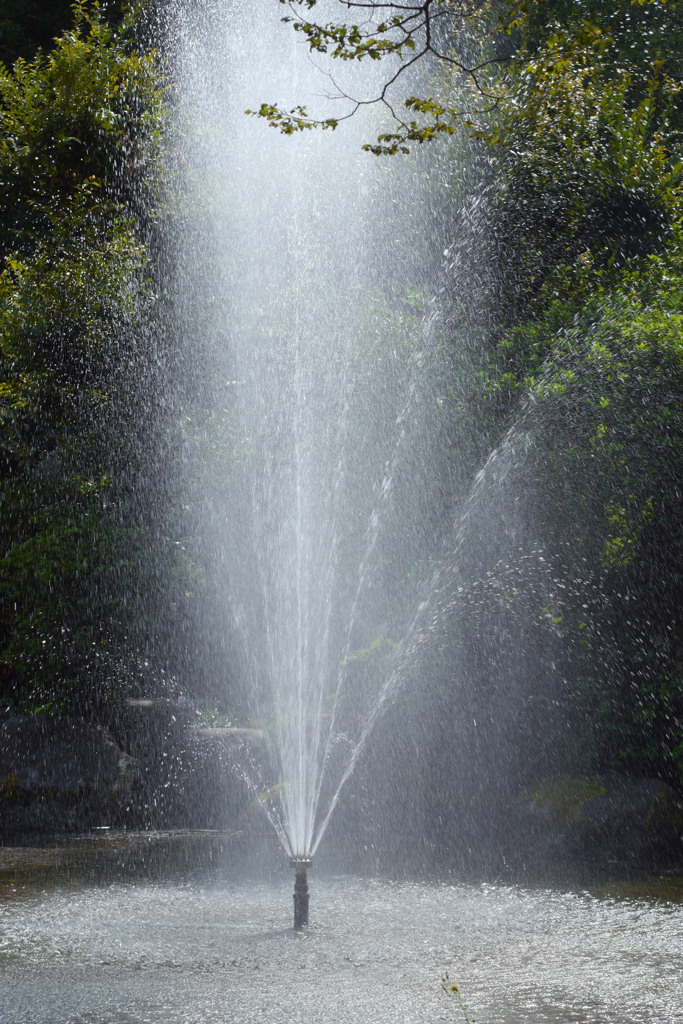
[219, 948]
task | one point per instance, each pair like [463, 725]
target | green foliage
[378, 646]
[74, 265]
[602, 483]
[592, 177]
[77, 130]
[441, 121]
[289, 122]
[84, 592]
[84, 567]
[643, 32]
[578, 387]
[354, 42]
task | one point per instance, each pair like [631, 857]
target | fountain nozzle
[301, 866]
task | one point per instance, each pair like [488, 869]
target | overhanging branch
[407, 32]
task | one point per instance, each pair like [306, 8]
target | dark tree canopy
[29, 25]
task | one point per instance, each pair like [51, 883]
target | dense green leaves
[593, 174]
[85, 571]
[585, 368]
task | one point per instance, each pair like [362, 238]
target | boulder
[61, 774]
[216, 792]
[614, 823]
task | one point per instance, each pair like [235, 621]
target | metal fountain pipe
[301, 866]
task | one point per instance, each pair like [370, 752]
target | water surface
[221, 951]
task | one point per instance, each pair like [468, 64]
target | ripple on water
[218, 952]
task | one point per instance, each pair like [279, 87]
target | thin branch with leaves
[409, 33]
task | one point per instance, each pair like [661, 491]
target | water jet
[312, 519]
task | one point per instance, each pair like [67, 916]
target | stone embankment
[612, 824]
[65, 775]
[61, 774]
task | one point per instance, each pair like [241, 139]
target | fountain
[318, 518]
[343, 517]
[321, 508]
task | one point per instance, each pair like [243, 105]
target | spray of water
[325, 402]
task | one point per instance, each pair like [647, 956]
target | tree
[468, 41]
[582, 366]
[592, 177]
[87, 566]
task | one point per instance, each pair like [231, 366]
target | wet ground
[102, 946]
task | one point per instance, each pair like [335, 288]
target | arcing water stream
[326, 398]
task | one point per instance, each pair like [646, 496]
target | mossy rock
[608, 819]
[10, 789]
[660, 888]
[665, 812]
[562, 796]
[60, 756]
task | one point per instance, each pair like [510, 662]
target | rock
[222, 734]
[150, 727]
[217, 794]
[61, 774]
[62, 754]
[615, 823]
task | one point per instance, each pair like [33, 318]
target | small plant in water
[452, 991]
[210, 718]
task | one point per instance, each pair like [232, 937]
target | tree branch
[408, 34]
